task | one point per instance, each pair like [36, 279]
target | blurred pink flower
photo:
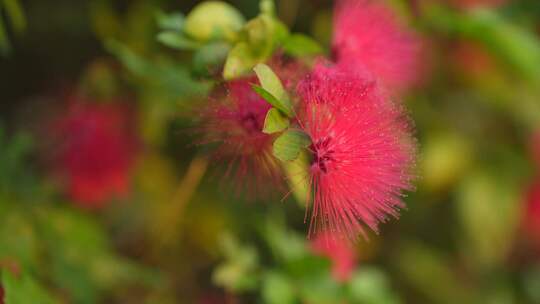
[235, 122]
[339, 251]
[1, 295]
[213, 298]
[362, 151]
[95, 150]
[368, 37]
[531, 219]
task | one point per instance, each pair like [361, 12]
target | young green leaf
[297, 172]
[176, 40]
[271, 99]
[270, 81]
[267, 7]
[288, 146]
[259, 35]
[275, 122]
[239, 61]
[24, 289]
[301, 45]
[173, 22]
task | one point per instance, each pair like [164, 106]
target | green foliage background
[180, 238]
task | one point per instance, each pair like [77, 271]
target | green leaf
[20, 239]
[280, 32]
[213, 20]
[165, 76]
[16, 14]
[275, 122]
[237, 272]
[316, 284]
[297, 172]
[272, 100]
[210, 57]
[531, 283]
[24, 289]
[260, 35]
[267, 7]
[516, 45]
[81, 260]
[277, 289]
[489, 215]
[5, 46]
[176, 40]
[370, 286]
[288, 146]
[270, 82]
[16, 178]
[239, 61]
[431, 273]
[173, 22]
[301, 45]
[284, 243]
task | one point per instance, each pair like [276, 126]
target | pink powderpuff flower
[235, 123]
[340, 252]
[95, 149]
[362, 151]
[368, 37]
[531, 216]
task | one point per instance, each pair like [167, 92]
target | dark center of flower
[322, 155]
[250, 123]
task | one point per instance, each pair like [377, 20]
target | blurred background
[105, 197]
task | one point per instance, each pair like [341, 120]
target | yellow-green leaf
[275, 122]
[213, 20]
[288, 146]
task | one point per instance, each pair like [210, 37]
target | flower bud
[213, 20]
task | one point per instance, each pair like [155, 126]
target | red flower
[235, 122]
[339, 251]
[369, 38]
[2, 294]
[95, 151]
[531, 220]
[362, 151]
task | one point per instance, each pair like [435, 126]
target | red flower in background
[2, 295]
[531, 220]
[95, 149]
[362, 151]
[368, 37]
[339, 251]
[235, 122]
